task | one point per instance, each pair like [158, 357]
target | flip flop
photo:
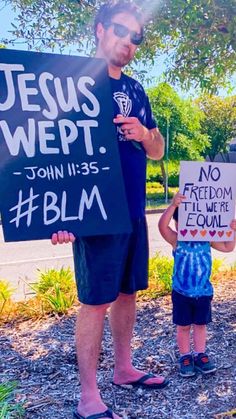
[107, 414]
[141, 382]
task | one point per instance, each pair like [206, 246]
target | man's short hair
[108, 10]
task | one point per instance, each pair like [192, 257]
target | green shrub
[217, 265]
[160, 272]
[154, 193]
[173, 178]
[56, 290]
[155, 196]
[233, 266]
[154, 186]
[154, 173]
[160, 275]
[6, 292]
[9, 409]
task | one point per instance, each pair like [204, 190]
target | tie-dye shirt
[192, 269]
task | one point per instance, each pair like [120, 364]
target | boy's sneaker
[203, 364]
[187, 366]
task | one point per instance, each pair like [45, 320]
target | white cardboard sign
[209, 207]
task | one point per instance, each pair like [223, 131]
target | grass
[6, 292]
[153, 204]
[160, 276]
[55, 293]
[8, 408]
[160, 273]
[56, 290]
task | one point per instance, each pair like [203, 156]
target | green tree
[182, 119]
[198, 36]
[219, 122]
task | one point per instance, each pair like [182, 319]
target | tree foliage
[219, 122]
[50, 24]
[186, 141]
[200, 37]
[197, 36]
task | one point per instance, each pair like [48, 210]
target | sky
[7, 16]
[154, 73]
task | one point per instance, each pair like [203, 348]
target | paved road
[19, 262]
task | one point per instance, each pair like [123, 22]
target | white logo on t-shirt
[124, 103]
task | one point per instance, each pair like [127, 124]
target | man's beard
[120, 61]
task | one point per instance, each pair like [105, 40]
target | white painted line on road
[15, 262]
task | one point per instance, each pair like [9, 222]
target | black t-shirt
[130, 99]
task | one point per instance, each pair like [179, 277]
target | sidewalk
[20, 261]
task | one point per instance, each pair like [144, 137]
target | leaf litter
[41, 357]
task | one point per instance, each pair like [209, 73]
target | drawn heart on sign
[220, 233]
[193, 232]
[203, 233]
[212, 233]
[183, 232]
[229, 233]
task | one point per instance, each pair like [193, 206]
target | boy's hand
[177, 199]
[233, 225]
[62, 237]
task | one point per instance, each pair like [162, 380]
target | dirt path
[41, 356]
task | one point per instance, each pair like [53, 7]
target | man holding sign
[111, 269]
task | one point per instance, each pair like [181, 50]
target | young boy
[192, 291]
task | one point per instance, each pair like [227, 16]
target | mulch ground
[40, 355]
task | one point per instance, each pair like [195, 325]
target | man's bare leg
[122, 319]
[89, 331]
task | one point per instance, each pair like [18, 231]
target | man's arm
[154, 144]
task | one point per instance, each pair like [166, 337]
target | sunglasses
[122, 31]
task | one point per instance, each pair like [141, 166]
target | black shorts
[189, 310]
[110, 264]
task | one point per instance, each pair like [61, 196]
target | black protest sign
[59, 158]
[209, 207]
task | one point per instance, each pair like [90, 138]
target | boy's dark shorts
[110, 264]
[191, 310]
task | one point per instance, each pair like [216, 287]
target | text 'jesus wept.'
[50, 92]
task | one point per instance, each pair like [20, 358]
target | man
[111, 269]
